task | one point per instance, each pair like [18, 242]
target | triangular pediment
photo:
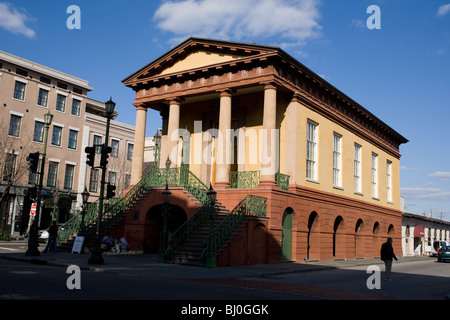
[196, 53]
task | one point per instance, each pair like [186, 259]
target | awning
[419, 231]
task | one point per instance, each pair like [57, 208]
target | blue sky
[401, 72]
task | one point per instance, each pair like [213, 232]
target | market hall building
[313, 174]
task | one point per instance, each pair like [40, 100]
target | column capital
[175, 100]
[269, 85]
[141, 107]
[225, 92]
[296, 97]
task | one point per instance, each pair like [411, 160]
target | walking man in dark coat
[387, 253]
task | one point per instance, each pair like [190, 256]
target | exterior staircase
[195, 242]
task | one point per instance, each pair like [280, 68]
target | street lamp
[85, 195]
[212, 195]
[34, 230]
[96, 257]
[166, 197]
[55, 199]
[157, 141]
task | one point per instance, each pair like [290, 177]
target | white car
[43, 236]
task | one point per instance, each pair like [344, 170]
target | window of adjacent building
[357, 168]
[389, 180]
[93, 180]
[374, 175]
[52, 174]
[114, 148]
[68, 177]
[311, 150]
[112, 178]
[14, 125]
[127, 180]
[130, 148]
[42, 97]
[76, 106]
[98, 143]
[56, 136]
[9, 168]
[337, 160]
[19, 90]
[38, 135]
[73, 138]
[60, 102]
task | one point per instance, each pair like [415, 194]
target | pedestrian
[52, 236]
[387, 253]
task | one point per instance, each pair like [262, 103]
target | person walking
[52, 236]
[387, 253]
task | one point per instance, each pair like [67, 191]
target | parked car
[437, 245]
[443, 254]
[43, 236]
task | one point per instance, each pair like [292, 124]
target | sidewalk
[147, 265]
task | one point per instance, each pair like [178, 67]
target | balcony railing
[250, 179]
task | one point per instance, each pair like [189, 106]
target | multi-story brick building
[27, 92]
[250, 119]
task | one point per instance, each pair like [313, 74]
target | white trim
[40, 86]
[62, 93]
[16, 113]
[78, 98]
[54, 160]
[58, 124]
[70, 162]
[74, 129]
[21, 80]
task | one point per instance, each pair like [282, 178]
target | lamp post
[157, 141]
[55, 199]
[96, 257]
[85, 195]
[34, 231]
[212, 195]
[166, 197]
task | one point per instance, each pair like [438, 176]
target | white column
[269, 136]
[224, 145]
[139, 145]
[172, 129]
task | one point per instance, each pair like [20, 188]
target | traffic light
[32, 193]
[105, 155]
[33, 160]
[110, 191]
[90, 155]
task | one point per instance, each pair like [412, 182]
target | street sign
[33, 209]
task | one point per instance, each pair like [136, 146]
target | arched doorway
[313, 242]
[154, 221]
[338, 241]
[286, 239]
[359, 240]
[376, 241]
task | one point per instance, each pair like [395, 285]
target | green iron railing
[114, 210]
[182, 234]
[250, 179]
[249, 206]
[244, 179]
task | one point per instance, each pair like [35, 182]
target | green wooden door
[286, 241]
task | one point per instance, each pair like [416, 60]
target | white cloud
[443, 10]
[14, 20]
[440, 174]
[436, 194]
[292, 21]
